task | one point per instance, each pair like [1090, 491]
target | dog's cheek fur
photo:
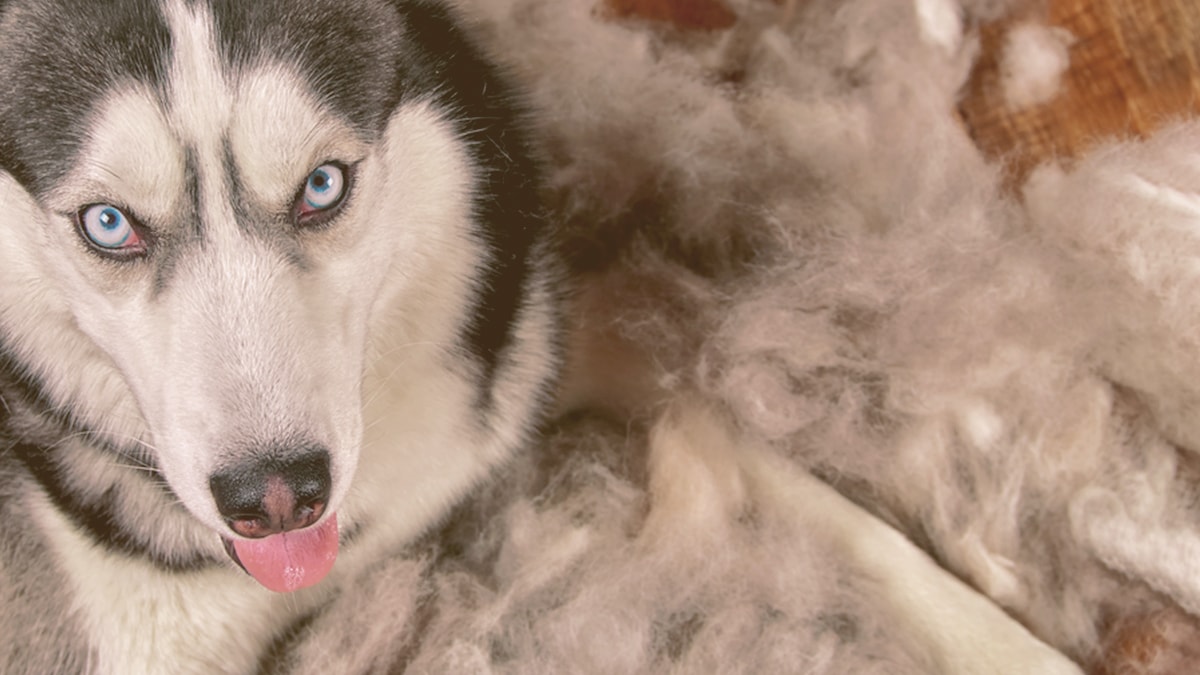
[428, 441]
[38, 322]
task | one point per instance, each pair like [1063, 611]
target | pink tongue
[291, 560]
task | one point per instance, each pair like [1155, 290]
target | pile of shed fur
[794, 263]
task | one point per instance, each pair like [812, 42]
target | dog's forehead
[60, 60]
[348, 52]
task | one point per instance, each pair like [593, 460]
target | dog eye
[109, 229]
[324, 190]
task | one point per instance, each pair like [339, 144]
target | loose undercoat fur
[820, 247]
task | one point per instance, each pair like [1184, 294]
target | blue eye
[109, 228]
[323, 189]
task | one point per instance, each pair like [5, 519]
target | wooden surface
[1135, 65]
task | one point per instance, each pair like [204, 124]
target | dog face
[217, 214]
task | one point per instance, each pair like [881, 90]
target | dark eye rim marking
[307, 215]
[124, 252]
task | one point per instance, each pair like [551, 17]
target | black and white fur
[412, 335]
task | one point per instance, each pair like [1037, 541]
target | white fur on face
[278, 131]
[201, 98]
[133, 159]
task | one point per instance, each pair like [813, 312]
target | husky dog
[275, 289]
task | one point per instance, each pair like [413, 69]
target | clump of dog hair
[599, 566]
[1032, 62]
[788, 220]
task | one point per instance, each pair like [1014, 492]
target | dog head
[213, 212]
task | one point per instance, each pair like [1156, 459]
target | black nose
[285, 491]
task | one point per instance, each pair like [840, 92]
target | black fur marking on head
[58, 59]
[346, 50]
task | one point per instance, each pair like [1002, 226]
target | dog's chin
[288, 561]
